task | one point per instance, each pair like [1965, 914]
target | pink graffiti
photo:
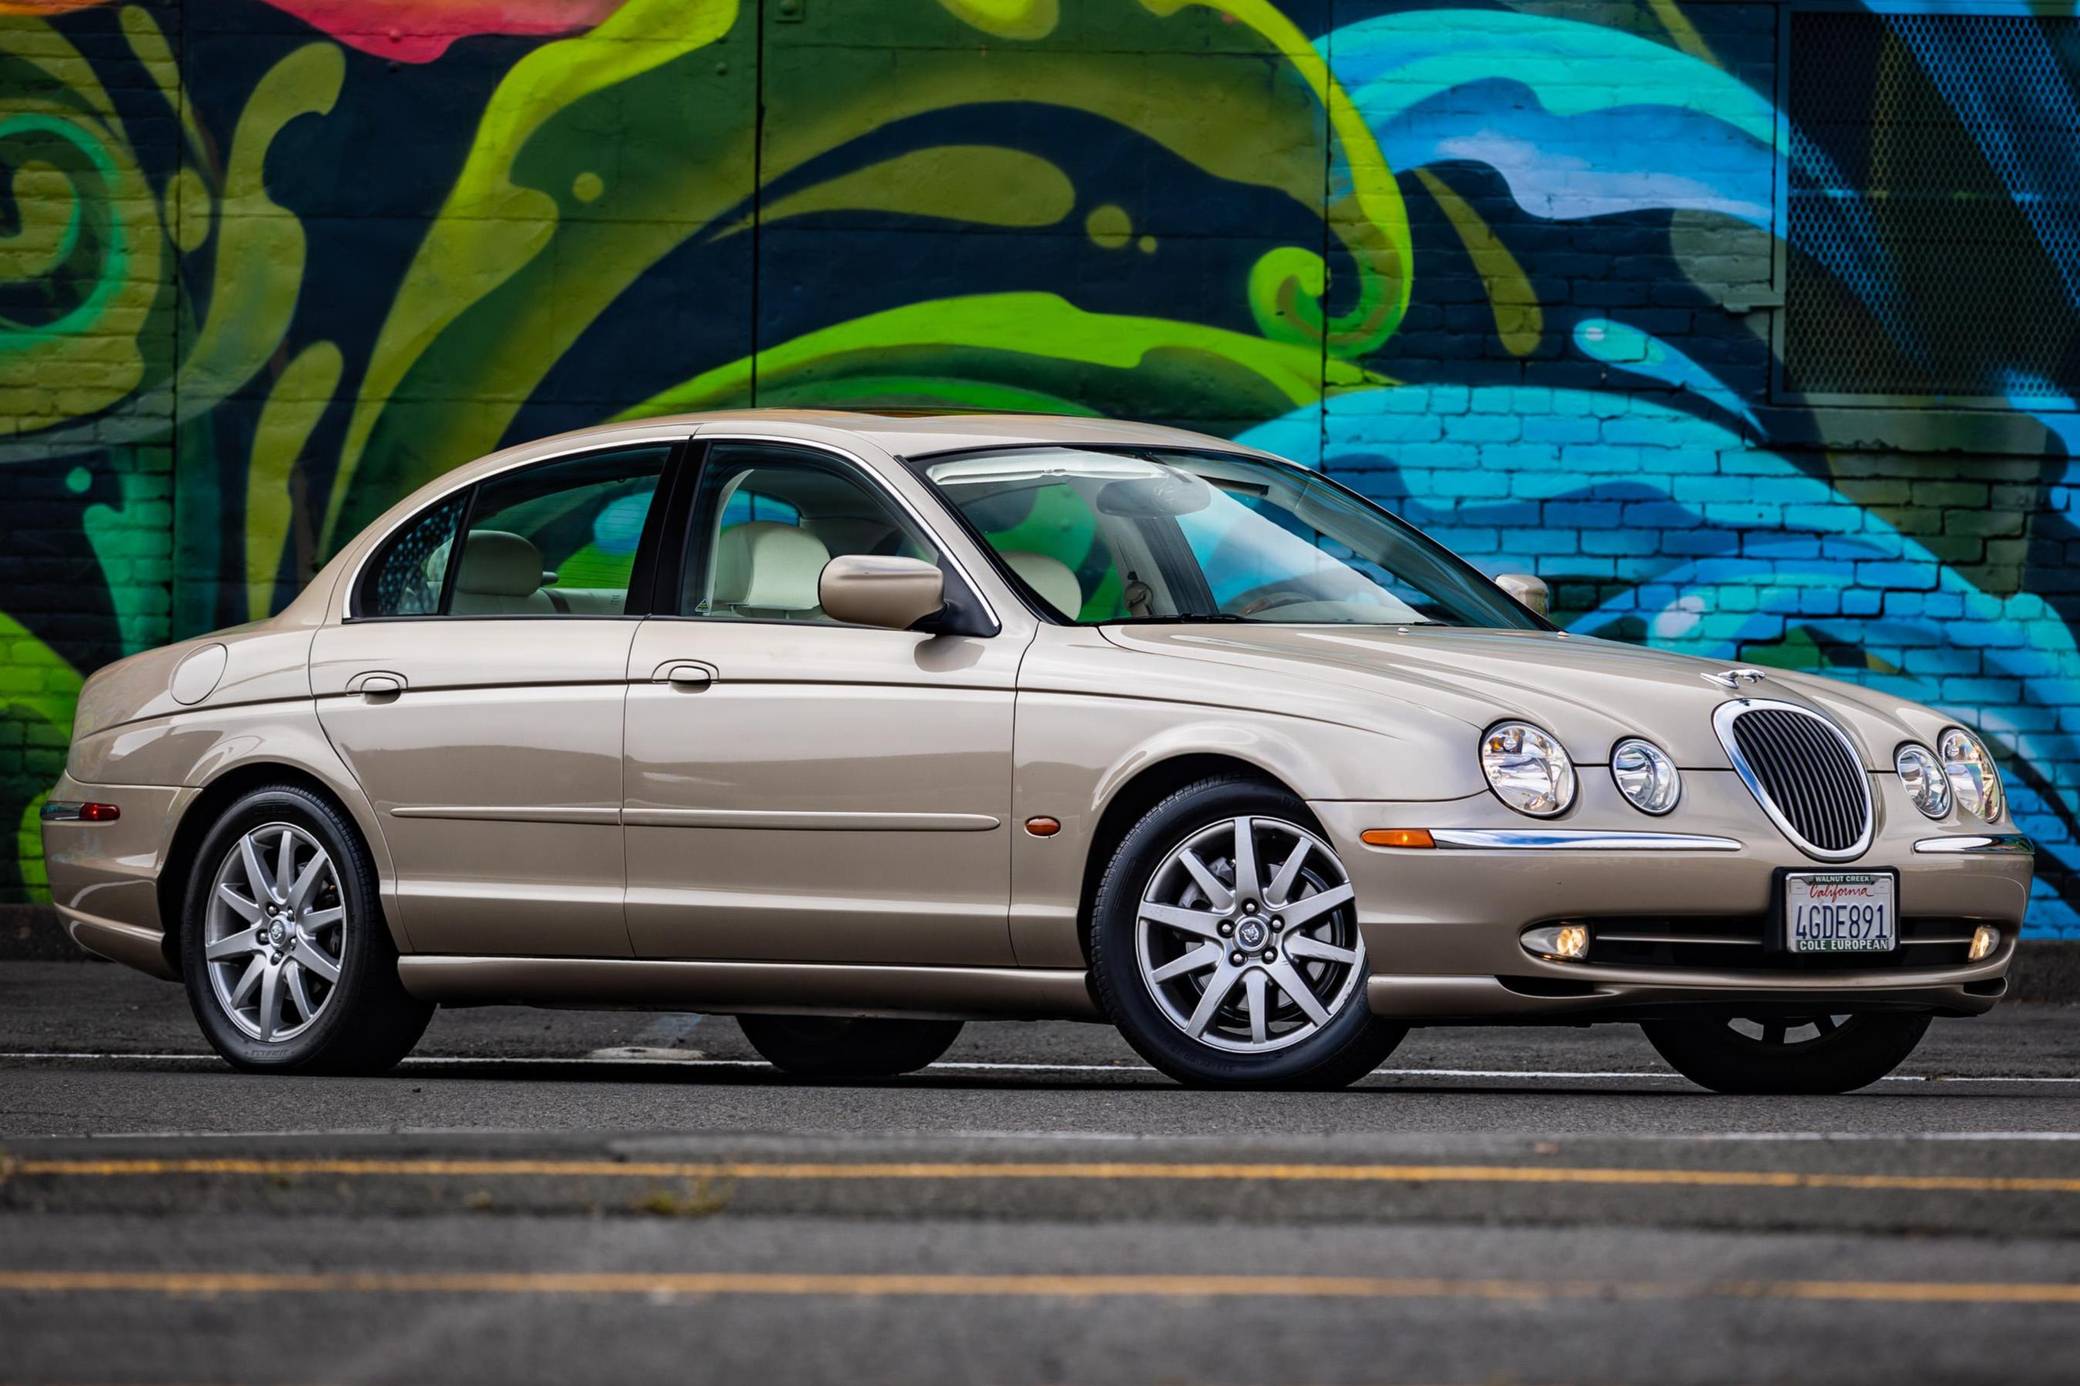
[418, 31]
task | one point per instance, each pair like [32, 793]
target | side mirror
[869, 590]
[1530, 591]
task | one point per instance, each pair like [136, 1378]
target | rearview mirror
[1529, 591]
[870, 590]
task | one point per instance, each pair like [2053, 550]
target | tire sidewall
[1116, 971]
[366, 945]
[1708, 1052]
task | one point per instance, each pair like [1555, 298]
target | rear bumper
[1442, 926]
[104, 877]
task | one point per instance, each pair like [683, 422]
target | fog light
[1985, 939]
[1558, 942]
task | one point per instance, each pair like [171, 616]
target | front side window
[767, 519]
[1153, 535]
[557, 539]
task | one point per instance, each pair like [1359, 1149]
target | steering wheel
[1273, 595]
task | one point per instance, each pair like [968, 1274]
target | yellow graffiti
[1014, 19]
[491, 225]
[1519, 320]
[1017, 324]
[293, 408]
[985, 184]
[260, 244]
[1374, 228]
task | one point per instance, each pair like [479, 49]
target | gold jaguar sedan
[861, 726]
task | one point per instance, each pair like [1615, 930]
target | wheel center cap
[1251, 934]
[276, 934]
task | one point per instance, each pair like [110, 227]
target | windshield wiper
[1194, 618]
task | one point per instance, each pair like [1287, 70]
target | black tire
[1351, 1044]
[366, 1020]
[817, 1046]
[1844, 1054]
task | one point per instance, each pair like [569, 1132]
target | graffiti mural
[1751, 327]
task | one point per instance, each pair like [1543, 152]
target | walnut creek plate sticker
[1840, 912]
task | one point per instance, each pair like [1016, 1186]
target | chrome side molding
[1980, 844]
[1577, 840]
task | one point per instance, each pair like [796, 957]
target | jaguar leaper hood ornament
[1735, 678]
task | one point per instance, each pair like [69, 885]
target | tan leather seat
[501, 575]
[1053, 579]
[763, 566]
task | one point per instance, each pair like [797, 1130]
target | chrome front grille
[1804, 772]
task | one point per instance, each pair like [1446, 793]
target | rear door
[476, 693]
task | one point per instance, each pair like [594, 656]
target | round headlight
[1923, 776]
[1527, 769]
[1970, 768]
[1645, 775]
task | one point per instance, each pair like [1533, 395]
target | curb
[2046, 969]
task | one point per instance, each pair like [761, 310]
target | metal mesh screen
[1933, 208]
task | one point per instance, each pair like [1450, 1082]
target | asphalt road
[583, 1196]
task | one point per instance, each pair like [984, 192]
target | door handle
[685, 674]
[376, 686]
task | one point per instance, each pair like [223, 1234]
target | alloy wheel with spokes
[289, 964]
[1244, 936]
[1786, 1031]
[1224, 943]
[275, 932]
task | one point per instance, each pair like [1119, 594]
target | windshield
[1147, 535]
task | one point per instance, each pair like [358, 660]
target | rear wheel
[815, 1046]
[1225, 944]
[287, 962]
[1819, 1053]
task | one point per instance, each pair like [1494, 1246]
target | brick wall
[1528, 277]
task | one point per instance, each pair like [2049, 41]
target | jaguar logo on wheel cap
[1251, 934]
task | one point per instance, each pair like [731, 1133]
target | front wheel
[288, 965]
[814, 1046]
[1225, 944]
[1821, 1053]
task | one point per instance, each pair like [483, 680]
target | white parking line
[684, 1060]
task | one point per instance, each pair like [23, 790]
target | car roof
[921, 432]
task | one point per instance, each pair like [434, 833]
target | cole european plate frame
[1773, 937]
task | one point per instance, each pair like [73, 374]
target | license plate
[1841, 912]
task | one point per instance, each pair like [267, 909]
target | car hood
[1590, 693]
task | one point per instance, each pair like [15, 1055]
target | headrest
[1050, 577]
[766, 564]
[498, 564]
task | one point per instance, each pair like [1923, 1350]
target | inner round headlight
[1971, 771]
[1527, 769]
[1923, 776]
[1645, 775]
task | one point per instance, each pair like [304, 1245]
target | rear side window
[407, 577]
[558, 539]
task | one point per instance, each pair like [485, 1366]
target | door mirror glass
[1531, 592]
[875, 590]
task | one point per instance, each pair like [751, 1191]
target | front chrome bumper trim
[1980, 844]
[1577, 840]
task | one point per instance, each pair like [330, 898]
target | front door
[804, 790]
[476, 693]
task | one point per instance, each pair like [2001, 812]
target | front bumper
[1442, 925]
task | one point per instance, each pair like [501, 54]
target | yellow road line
[1064, 1286]
[1052, 1170]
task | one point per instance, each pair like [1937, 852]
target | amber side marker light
[1043, 827]
[1397, 837]
[62, 812]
